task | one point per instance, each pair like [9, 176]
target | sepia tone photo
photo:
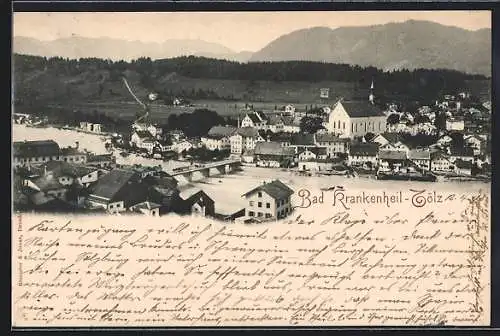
[251, 169]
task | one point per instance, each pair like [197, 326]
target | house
[107, 161]
[245, 138]
[248, 156]
[285, 139]
[182, 146]
[91, 127]
[197, 204]
[256, 120]
[71, 173]
[422, 158]
[213, 142]
[143, 139]
[163, 190]
[356, 118]
[301, 142]
[273, 154]
[455, 124]
[270, 200]
[389, 160]
[155, 130]
[276, 124]
[291, 124]
[397, 146]
[30, 152]
[224, 131]
[461, 153]
[147, 208]
[117, 191]
[327, 164]
[441, 163]
[463, 167]
[289, 109]
[35, 152]
[335, 145]
[45, 186]
[313, 153]
[363, 154]
[474, 142]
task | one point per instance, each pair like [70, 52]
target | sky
[238, 31]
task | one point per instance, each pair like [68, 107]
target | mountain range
[407, 45]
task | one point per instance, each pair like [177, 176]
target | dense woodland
[418, 84]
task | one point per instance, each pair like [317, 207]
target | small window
[268, 215]
[259, 214]
[259, 204]
[251, 203]
[251, 213]
[268, 205]
[111, 206]
[260, 194]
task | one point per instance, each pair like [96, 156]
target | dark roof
[463, 164]
[146, 205]
[199, 197]
[144, 134]
[276, 189]
[46, 183]
[112, 183]
[222, 131]
[303, 140]
[359, 109]
[35, 148]
[391, 137]
[392, 155]
[364, 149]
[275, 119]
[462, 151]
[254, 117]
[71, 151]
[248, 132]
[329, 137]
[272, 148]
[290, 121]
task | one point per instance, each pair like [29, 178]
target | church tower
[371, 97]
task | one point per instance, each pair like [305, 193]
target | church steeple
[371, 97]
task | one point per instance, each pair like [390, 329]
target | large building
[269, 201]
[37, 152]
[244, 139]
[356, 118]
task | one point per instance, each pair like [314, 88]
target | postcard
[251, 169]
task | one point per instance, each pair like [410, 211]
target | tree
[421, 119]
[440, 121]
[393, 119]
[311, 124]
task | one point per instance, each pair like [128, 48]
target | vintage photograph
[323, 154]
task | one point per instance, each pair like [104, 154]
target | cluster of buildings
[46, 179]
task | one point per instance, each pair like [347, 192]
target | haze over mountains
[408, 45]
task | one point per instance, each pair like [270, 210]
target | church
[351, 119]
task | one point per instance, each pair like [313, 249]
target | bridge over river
[206, 170]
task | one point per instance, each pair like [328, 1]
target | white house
[256, 120]
[441, 163]
[356, 118]
[214, 142]
[363, 154]
[455, 124]
[334, 145]
[289, 109]
[245, 138]
[142, 139]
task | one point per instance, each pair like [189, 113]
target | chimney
[77, 144]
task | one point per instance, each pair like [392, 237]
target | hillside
[409, 45]
[107, 48]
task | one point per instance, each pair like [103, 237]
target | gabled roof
[100, 157]
[360, 109]
[365, 149]
[290, 121]
[248, 132]
[463, 164]
[391, 137]
[71, 151]
[222, 131]
[35, 148]
[272, 148]
[113, 182]
[329, 137]
[144, 134]
[276, 189]
[416, 154]
[147, 205]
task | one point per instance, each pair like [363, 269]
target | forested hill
[33, 73]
